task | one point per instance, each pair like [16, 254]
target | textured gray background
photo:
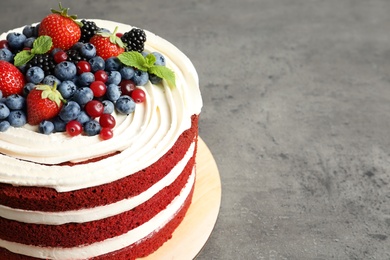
[296, 113]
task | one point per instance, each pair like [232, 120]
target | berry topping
[138, 95]
[134, 40]
[64, 78]
[43, 103]
[83, 66]
[74, 128]
[60, 56]
[62, 28]
[98, 88]
[101, 75]
[106, 133]
[94, 108]
[107, 120]
[88, 30]
[11, 79]
[107, 44]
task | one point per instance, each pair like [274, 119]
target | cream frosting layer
[97, 213]
[28, 158]
[109, 245]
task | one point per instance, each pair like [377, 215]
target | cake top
[155, 116]
[65, 75]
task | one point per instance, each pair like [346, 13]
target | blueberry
[16, 40]
[29, 31]
[4, 111]
[86, 78]
[83, 95]
[46, 127]
[65, 70]
[69, 111]
[127, 72]
[17, 118]
[154, 79]
[15, 102]
[140, 77]
[77, 46]
[6, 55]
[108, 107]
[113, 63]
[125, 105]
[92, 128]
[55, 50]
[88, 50]
[114, 77]
[97, 63]
[4, 125]
[67, 89]
[160, 59]
[59, 124]
[50, 80]
[83, 117]
[35, 75]
[113, 92]
[29, 42]
[27, 88]
[36, 30]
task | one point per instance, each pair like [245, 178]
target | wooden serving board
[192, 234]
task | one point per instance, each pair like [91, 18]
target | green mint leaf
[165, 73]
[22, 58]
[42, 45]
[134, 59]
[150, 60]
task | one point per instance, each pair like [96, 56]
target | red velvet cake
[79, 186]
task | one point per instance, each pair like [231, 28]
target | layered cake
[107, 175]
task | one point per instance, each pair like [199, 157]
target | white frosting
[109, 245]
[97, 213]
[142, 137]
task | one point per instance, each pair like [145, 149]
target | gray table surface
[296, 113]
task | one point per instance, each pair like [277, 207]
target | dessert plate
[192, 234]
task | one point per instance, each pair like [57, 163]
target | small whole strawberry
[107, 44]
[11, 79]
[43, 103]
[62, 28]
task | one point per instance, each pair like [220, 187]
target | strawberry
[107, 44]
[43, 102]
[62, 28]
[11, 79]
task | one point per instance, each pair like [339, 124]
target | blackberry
[44, 61]
[134, 40]
[74, 56]
[88, 30]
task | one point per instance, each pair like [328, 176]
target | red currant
[138, 95]
[4, 44]
[107, 120]
[127, 86]
[98, 88]
[74, 128]
[106, 133]
[119, 34]
[83, 66]
[94, 108]
[101, 75]
[60, 56]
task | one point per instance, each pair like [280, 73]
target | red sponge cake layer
[73, 234]
[46, 199]
[136, 250]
